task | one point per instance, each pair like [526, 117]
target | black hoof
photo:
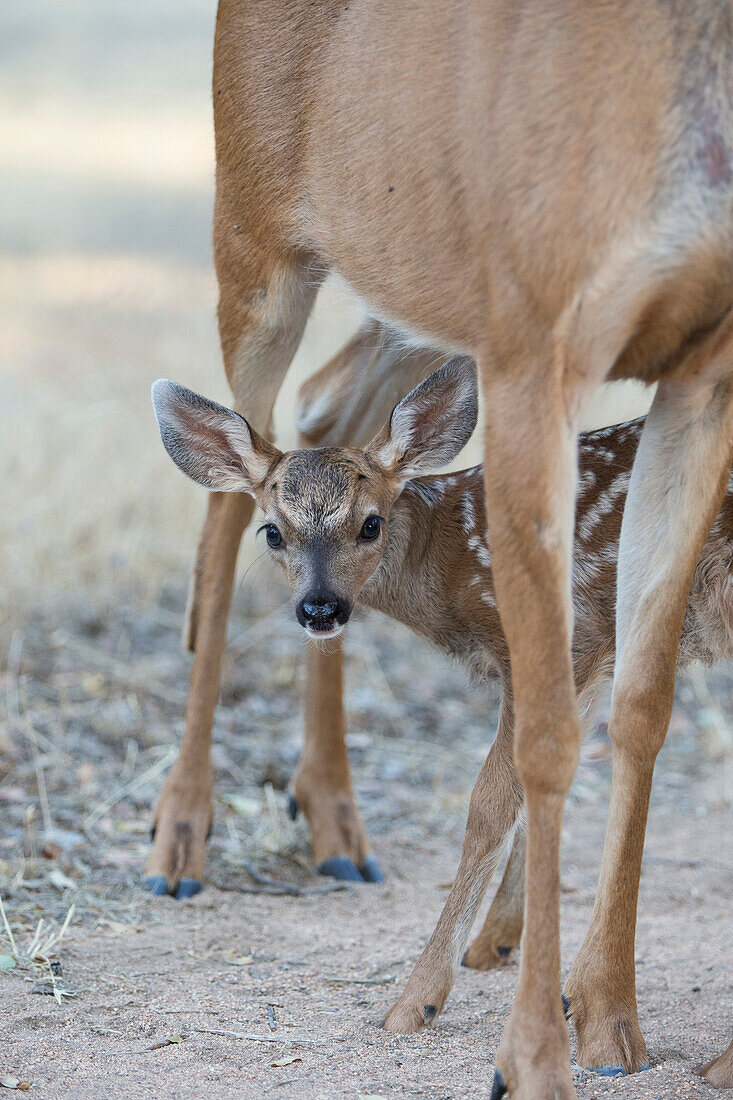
[566, 1009]
[370, 870]
[429, 1013]
[504, 952]
[293, 807]
[499, 1087]
[339, 867]
[463, 958]
[155, 884]
[152, 833]
[187, 887]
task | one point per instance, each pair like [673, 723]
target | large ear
[213, 445]
[432, 424]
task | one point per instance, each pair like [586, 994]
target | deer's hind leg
[265, 299]
[719, 1072]
[677, 483]
[344, 403]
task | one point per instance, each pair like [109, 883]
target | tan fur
[548, 188]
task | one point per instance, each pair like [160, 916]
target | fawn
[351, 524]
[548, 188]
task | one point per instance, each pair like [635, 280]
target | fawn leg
[495, 802]
[263, 306]
[344, 403]
[501, 932]
[530, 472]
[719, 1072]
[677, 483]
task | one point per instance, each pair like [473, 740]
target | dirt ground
[273, 979]
[94, 707]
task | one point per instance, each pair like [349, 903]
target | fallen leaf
[287, 1061]
[242, 805]
[7, 962]
[238, 960]
[61, 881]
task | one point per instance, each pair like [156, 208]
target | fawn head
[326, 510]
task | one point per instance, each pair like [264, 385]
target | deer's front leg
[678, 480]
[495, 803]
[322, 784]
[530, 473]
[499, 938]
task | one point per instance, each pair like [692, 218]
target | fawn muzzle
[322, 613]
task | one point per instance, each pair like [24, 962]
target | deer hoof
[371, 871]
[340, 867]
[566, 1009]
[187, 887]
[613, 1071]
[293, 807]
[155, 884]
[499, 1087]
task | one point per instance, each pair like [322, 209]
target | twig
[29, 731]
[256, 1038]
[8, 929]
[334, 980]
[128, 787]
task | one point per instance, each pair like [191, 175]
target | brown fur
[547, 188]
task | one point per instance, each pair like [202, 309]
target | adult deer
[548, 188]
[350, 524]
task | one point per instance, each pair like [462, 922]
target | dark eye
[273, 536]
[370, 530]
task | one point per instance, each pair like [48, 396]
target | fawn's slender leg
[495, 802]
[263, 306]
[346, 402]
[501, 932]
[677, 483]
[719, 1072]
[530, 472]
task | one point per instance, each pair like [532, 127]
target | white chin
[323, 635]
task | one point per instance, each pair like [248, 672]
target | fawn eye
[273, 536]
[371, 528]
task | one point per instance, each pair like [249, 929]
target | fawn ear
[213, 445]
[432, 424]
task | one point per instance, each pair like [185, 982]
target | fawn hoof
[371, 871]
[340, 867]
[293, 807]
[566, 1010]
[499, 1087]
[613, 1071]
[155, 884]
[187, 887]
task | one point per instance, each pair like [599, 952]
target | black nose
[322, 611]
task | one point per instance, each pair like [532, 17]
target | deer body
[436, 575]
[548, 188]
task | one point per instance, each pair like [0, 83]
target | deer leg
[677, 483]
[499, 938]
[322, 784]
[719, 1072]
[263, 306]
[344, 403]
[530, 472]
[495, 802]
